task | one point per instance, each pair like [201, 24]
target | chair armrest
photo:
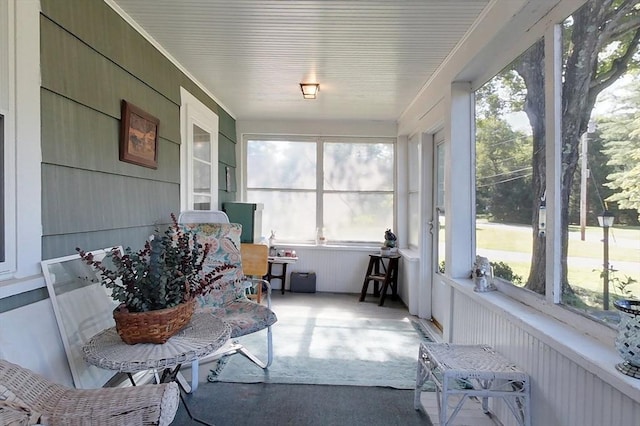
[264, 282]
[145, 404]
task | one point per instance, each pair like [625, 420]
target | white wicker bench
[472, 371]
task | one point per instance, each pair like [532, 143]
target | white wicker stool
[483, 373]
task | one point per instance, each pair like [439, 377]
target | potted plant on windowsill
[157, 285]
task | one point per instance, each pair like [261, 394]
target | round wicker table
[202, 336]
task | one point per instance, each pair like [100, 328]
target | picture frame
[138, 136]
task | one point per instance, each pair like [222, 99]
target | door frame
[194, 112]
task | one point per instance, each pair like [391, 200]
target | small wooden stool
[379, 273]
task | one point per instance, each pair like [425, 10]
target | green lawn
[624, 246]
[518, 239]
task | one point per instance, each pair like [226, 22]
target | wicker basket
[152, 326]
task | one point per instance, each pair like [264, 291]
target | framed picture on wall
[138, 136]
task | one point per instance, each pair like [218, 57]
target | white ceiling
[371, 57]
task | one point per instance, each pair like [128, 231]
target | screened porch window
[340, 188]
[593, 143]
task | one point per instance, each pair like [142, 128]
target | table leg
[421, 377]
[284, 276]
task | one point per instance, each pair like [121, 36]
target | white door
[438, 288]
[198, 155]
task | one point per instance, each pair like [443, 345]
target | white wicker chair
[28, 398]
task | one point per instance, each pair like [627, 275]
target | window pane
[201, 144]
[281, 164]
[414, 165]
[439, 230]
[357, 216]
[291, 215]
[201, 176]
[414, 197]
[440, 177]
[358, 166]
[414, 219]
[509, 148]
[201, 202]
[603, 264]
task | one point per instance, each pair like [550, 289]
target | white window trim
[7, 109]
[21, 272]
[549, 304]
[192, 111]
[319, 191]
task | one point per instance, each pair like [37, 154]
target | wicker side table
[202, 336]
[487, 374]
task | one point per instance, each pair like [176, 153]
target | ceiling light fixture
[309, 90]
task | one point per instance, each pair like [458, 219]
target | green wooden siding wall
[91, 60]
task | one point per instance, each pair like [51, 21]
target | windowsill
[409, 254]
[591, 354]
[329, 246]
[17, 286]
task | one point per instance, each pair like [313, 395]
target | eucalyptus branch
[167, 271]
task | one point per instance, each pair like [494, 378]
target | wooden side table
[472, 371]
[378, 272]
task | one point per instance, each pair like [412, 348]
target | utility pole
[584, 177]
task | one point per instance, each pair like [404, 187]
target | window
[6, 137]
[439, 197]
[198, 155]
[413, 207]
[606, 150]
[592, 145]
[508, 198]
[342, 187]
[281, 174]
[20, 139]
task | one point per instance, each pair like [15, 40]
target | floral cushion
[245, 316]
[228, 299]
[224, 242]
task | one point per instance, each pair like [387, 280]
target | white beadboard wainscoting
[338, 269]
[341, 269]
[409, 280]
[573, 378]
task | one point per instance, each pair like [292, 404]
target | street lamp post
[606, 221]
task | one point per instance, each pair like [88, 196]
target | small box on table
[303, 282]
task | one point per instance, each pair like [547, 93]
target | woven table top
[202, 336]
[468, 361]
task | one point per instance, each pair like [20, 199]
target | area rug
[264, 404]
[331, 351]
